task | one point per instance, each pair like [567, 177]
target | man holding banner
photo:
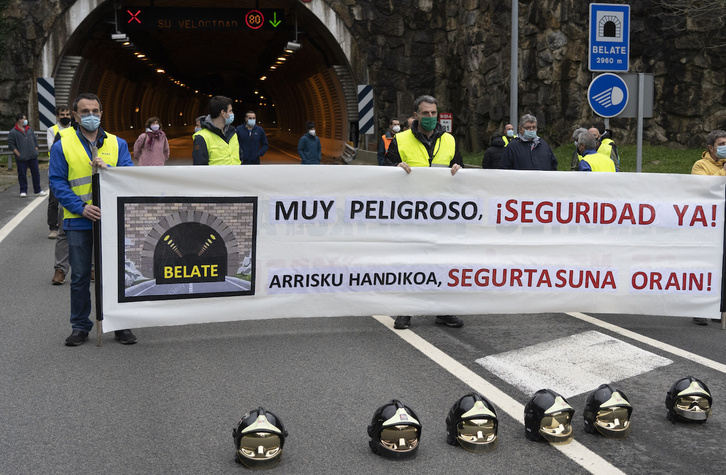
[72, 161]
[425, 144]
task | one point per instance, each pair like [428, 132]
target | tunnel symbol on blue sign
[607, 95]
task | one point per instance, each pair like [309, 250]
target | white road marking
[572, 365]
[575, 451]
[13, 223]
[651, 342]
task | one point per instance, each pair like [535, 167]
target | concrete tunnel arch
[317, 83]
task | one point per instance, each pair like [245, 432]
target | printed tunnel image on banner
[186, 247]
[190, 252]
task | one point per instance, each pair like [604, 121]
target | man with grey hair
[590, 159]
[425, 144]
[575, 155]
[712, 162]
[528, 151]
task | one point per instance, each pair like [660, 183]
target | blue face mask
[530, 134]
[251, 122]
[510, 133]
[721, 151]
[229, 119]
[25, 122]
[90, 122]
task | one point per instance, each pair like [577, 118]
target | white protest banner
[209, 244]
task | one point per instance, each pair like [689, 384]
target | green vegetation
[655, 159]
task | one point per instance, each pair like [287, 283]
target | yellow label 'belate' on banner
[208, 244]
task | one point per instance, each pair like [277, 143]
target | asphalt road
[168, 404]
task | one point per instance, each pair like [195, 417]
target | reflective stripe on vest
[413, 152]
[219, 151]
[386, 141]
[599, 162]
[79, 164]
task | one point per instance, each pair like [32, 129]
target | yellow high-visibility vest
[80, 170]
[413, 152]
[219, 151]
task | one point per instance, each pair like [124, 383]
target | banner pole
[98, 287]
[723, 280]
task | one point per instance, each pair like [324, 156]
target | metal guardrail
[5, 151]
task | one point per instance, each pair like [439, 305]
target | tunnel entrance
[166, 58]
[190, 252]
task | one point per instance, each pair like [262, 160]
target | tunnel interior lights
[161, 71]
[293, 46]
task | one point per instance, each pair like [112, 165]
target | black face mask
[64, 121]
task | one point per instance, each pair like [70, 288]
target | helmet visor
[613, 422]
[695, 408]
[477, 435]
[259, 449]
[557, 427]
[400, 438]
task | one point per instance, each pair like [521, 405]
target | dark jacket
[493, 155]
[309, 149]
[25, 142]
[252, 144]
[521, 155]
[393, 158]
[382, 148]
[200, 154]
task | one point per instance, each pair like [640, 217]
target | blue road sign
[609, 37]
[607, 95]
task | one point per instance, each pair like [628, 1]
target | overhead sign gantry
[229, 19]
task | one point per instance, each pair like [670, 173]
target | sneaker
[402, 322]
[449, 321]
[42, 193]
[58, 278]
[77, 338]
[125, 337]
[700, 321]
[23, 195]
[93, 275]
[53, 234]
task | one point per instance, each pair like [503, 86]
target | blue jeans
[80, 250]
[23, 166]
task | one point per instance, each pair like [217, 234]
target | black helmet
[394, 431]
[258, 439]
[472, 421]
[608, 412]
[689, 400]
[548, 415]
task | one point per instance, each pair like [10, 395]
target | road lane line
[13, 223]
[575, 451]
[650, 341]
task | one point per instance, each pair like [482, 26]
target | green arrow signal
[274, 22]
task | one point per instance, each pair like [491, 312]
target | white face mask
[510, 133]
[155, 127]
[312, 132]
[396, 129]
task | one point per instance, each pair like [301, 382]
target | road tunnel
[166, 58]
